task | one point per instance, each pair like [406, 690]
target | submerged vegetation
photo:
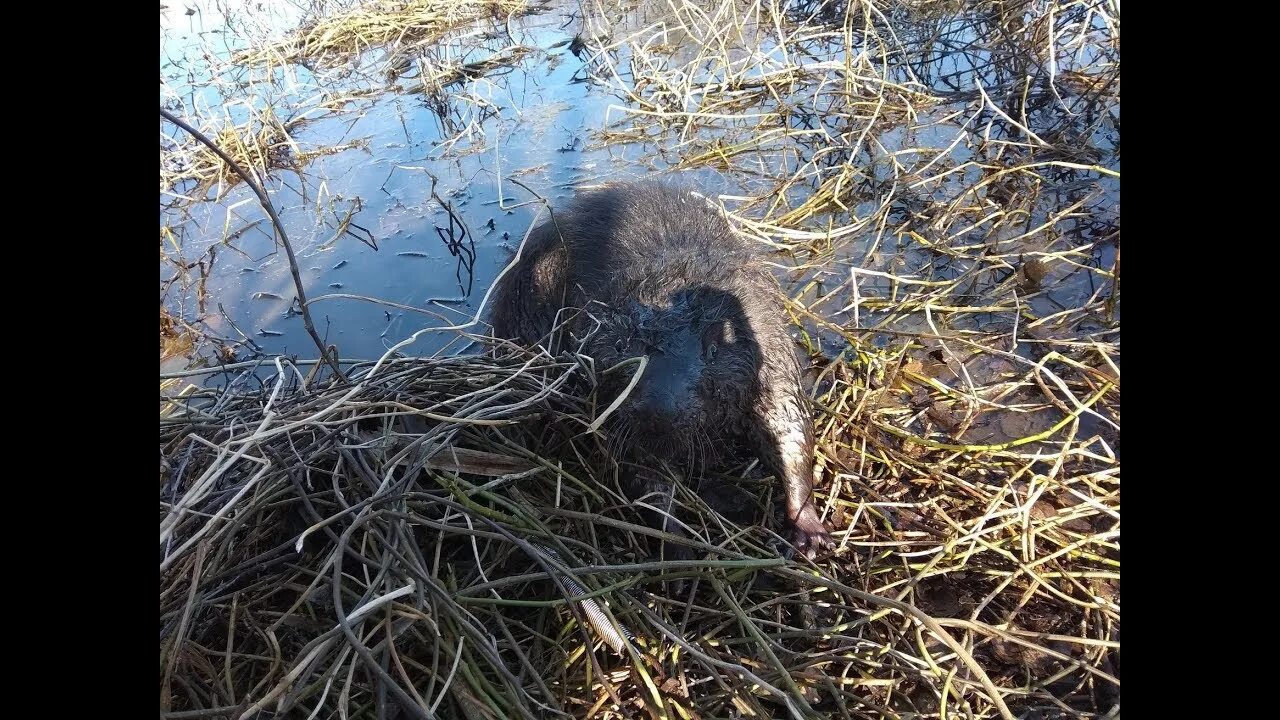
[399, 27]
[445, 537]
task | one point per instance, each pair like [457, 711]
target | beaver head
[700, 376]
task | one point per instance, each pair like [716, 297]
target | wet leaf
[920, 398]
[1031, 273]
[940, 413]
[1014, 425]
[991, 368]
[1042, 510]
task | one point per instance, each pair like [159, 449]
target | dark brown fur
[658, 273]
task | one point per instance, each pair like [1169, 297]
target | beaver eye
[711, 351]
[621, 345]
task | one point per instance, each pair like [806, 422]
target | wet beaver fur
[658, 273]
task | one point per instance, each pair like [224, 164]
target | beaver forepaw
[810, 534]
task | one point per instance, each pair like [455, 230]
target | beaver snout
[658, 404]
[665, 393]
[656, 423]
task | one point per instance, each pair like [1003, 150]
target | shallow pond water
[535, 127]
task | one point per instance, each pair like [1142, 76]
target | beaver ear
[728, 333]
[717, 334]
[721, 332]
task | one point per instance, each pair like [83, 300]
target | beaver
[650, 270]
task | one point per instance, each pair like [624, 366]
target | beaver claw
[810, 534]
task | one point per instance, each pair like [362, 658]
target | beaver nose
[657, 404]
[669, 379]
